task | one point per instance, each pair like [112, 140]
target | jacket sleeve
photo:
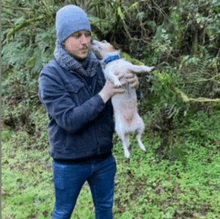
[61, 107]
[138, 93]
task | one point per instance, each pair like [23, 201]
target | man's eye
[87, 34]
[78, 36]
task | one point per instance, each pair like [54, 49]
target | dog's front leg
[142, 68]
[112, 77]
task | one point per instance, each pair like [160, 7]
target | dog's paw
[117, 83]
[127, 155]
[152, 68]
[148, 69]
[141, 146]
[144, 151]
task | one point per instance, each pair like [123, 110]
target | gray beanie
[69, 20]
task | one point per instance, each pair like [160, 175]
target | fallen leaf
[2, 191]
[13, 165]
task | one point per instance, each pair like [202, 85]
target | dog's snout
[94, 42]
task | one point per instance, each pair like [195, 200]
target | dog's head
[103, 49]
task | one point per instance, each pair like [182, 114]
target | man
[76, 96]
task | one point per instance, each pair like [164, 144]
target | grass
[186, 186]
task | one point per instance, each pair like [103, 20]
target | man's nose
[83, 39]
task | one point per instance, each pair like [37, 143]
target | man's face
[78, 44]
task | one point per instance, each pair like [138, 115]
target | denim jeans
[69, 178]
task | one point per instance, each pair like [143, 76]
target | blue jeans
[69, 179]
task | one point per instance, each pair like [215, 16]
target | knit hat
[69, 20]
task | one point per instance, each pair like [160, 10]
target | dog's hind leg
[138, 137]
[126, 137]
[125, 141]
[139, 132]
[119, 128]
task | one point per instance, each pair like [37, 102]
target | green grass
[186, 186]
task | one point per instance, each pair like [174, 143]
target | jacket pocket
[77, 91]
[74, 86]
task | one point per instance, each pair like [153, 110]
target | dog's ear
[115, 45]
[97, 54]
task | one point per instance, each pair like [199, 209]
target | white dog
[126, 116]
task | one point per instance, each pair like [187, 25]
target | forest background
[179, 176]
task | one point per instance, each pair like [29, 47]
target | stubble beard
[81, 57]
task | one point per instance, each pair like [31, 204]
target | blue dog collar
[111, 58]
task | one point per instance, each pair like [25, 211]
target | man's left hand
[132, 79]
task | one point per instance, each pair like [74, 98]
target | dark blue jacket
[81, 125]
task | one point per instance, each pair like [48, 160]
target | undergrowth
[185, 184]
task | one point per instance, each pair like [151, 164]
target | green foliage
[107, 17]
[129, 59]
[201, 75]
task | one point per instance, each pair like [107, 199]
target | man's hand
[132, 79]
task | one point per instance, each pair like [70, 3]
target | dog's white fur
[126, 116]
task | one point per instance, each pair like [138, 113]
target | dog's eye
[104, 41]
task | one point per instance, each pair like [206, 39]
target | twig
[186, 99]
